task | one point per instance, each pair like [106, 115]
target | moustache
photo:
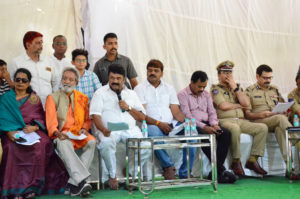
[115, 84]
[267, 83]
[152, 76]
[113, 49]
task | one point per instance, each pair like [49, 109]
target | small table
[178, 142]
[290, 131]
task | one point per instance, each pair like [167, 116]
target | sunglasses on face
[24, 80]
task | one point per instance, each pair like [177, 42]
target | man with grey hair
[68, 123]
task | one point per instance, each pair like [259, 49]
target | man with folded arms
[197, 103]
[67, 112]
[229, 101]
[162, 106]
[115, 103]
[263, 98]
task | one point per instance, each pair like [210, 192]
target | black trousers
[223, 142]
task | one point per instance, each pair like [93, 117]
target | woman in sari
[27, 171]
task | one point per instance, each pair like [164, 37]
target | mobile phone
[21, 140]
[220, 131]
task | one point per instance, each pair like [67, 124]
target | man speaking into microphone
[115, 103]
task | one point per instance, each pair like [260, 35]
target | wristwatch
[129, 109]
[236, 89]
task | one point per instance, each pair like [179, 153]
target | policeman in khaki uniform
[263, 98]
[229, 101]
[295, 96]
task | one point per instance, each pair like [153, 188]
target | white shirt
[157, 100]
[44, 77]
[105, 103]
[61, 64]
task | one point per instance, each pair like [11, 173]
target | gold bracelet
[157, 122]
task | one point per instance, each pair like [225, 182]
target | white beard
[68, 89]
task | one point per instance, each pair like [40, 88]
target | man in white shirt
[108, 106]
[162, 106]
[59, 58]
[44, 77]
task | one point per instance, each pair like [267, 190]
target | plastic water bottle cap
[296, 115]
[17, 135]
[193, 119]
[144, 121]
[186, 120]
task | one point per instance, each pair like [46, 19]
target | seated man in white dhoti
[115, 103]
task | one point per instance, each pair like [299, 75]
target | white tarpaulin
[189, 35]
[49, 17]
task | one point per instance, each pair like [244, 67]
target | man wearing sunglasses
[229, 101]
[263, 98]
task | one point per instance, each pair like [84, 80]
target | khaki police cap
[225, 66]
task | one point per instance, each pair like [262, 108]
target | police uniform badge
[215, 91]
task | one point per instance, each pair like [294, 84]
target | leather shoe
[237, 168]
[255, 167]
[169, 173]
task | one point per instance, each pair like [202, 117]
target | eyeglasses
[80, 60]
[24, 80]
[267, 78]
[61, 43]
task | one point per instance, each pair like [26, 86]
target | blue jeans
[161, 155]
[164, 158]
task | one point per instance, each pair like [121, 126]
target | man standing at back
[59, 58]
[44, 77]
[113, 57]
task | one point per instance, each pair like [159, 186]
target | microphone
[118, 92]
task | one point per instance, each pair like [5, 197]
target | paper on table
[75, 137]
[120, 126]
[31, 138]
[282, 107]
[176, 128]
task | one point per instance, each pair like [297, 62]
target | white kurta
[106, 104]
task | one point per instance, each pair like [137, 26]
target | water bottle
[187, 129]
[144, 129]
[17, 135]
[296, 121]
[194, 131]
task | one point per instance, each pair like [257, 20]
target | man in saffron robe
[67, 112]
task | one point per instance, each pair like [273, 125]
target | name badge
[48, 69]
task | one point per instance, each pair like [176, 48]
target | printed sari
[26, 169]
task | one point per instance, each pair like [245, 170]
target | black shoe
[227, 178]
[67, 189]
[82, 189]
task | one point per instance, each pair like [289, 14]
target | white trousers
[77, 167]
[108, 145]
